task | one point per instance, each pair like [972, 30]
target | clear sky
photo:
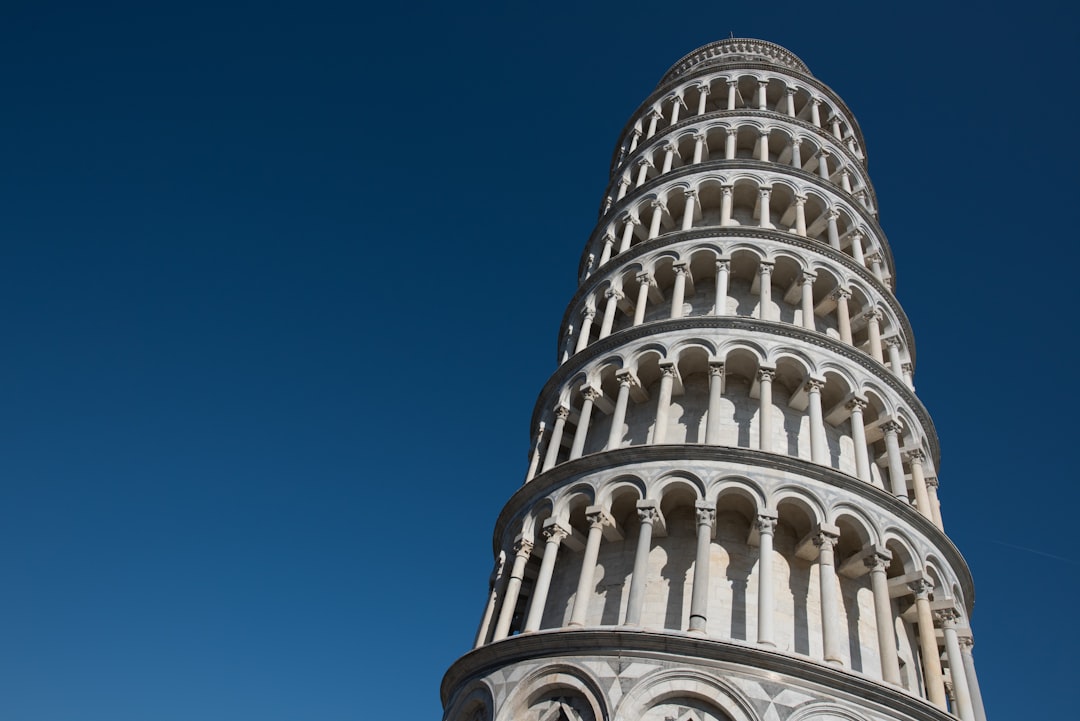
[280, 283]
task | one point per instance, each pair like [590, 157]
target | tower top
[736, 50]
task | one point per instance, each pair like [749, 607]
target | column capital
[523, 546]
[808, 276]
[648, 514]
[765, 267]
[562, 412]
[907, 368]
[716, 368]
[626, 377]
[764, 190]
[624, 180]
[893, 340]
[833, 214]
[932, 482]
[765, 524]
[598, 517]
[814, 385]
[879, 560]
[733, 83]
[705, 514]
[841, 293]
[789, 90]
[631, 219]
[825, 539]
[815, 101]
[656, 113]
[692, 193]
[659, 205]
[921, 587]
[669, 147]
[824, 153]
[644, 277]
[915, 456]
[700, 137]
[723, 264]
[554, 531]
[588, 312]
[966, 643]
[726, 189]
[614, 293]
[590, 393]
[732, 131]
[703, 88]
[874, 258]
[890, 426]
[667, 368]
[873, 314]
[857, 402]
[680, 268]
[800, 200]
[641, 162]
[947, 617]
[766, 373]
[796, 140]
[765, 132]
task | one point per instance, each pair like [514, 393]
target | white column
[966, 644]
[613, 296]
[858, 439]
[761, 101]
[605, 254]
[732, 87]
[765, 379]
[949, 619]
[590, 395]
[643, 171]
[857, 249]
[725, 205]
[587, 316]
[493, 600]
[522, 552]
[875, 267]
[808, 279]
[935, 503]
[834, 234]
[644, 284]
[897, 482]
[765, 291]
[669, 158]
[716, 395]
[553, 537]
[663, 401]
[654, 117]
[763, 146]
[893, 344]
[729, 144]
[800, 215]
[843, 316]
[688, 209]
[648, 515]
[883, 613]
[534, 456]
[873, 331]
[678, 292]
[815, 111]
[635, 138]
[835, 122]
[618, 417]
[918, 483]
[723, 270]
[699, 147]
[628, 232]
[830, 608]
[796, 153]
[845, 180]
[555, 442]
[657, 215]
[764, 220]
[676, 103]
[823, 164]
[597, 519]
[819, 449]
[791, 102]
[703, 97]
[624, 185]
[766, 526]
[928, 646]
[909, 375]
[699, 596]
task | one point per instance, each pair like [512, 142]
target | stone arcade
[730, 511]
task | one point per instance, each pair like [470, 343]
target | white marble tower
[731, 510]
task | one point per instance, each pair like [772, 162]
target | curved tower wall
[731, 506]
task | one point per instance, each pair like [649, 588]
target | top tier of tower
[737, 50]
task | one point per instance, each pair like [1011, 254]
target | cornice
[680, 236]
[679, 647]
[570, 471]
[747, 325]
[746, 113]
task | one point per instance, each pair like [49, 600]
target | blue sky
[280, 283]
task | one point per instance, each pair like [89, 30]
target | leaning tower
[730, 509]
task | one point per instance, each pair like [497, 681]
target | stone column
[823, 164]
[703, 97]
[635, 138]
[644, 284]
[893, 344]
[835, 121]
[966, 644]
[699, 147]
[654, 117]
[523, 548]
[964, 707]
[716, 391]
[723, 270]
[845, 180]
[590, 395]
[766, 526]
[648, 515]
[834, 233]
[843, 315]
[873, 331]
[819, 450]
[765, 378]
[587, 316]
[909, 375]
[678, 293]
[628, 232]
[763, 146]
[688, 209]
[669, 158]
[605, 254]
[493, 600]
[928, 647]
[729, 144]
[764, 220]
[791, 102]
[663, 400]
[935, 504]
[875, 267]
[613, 295]
[561, 414]
[618, 417]
[761, 95]
[830, 607]
[676, 103]
[856, 248]
[597, 519]
[765, 291]
[534, 457]
[624, 185]
[800, 215]
[725, 205]
[858, 439]
[796, 153]
[643, 171]
[883, 613]
[808, 279]
[699, 596]
[815, 111]
[732, 87]
[553, 537]
[918, 483]
[657, 215]
[897, 482]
